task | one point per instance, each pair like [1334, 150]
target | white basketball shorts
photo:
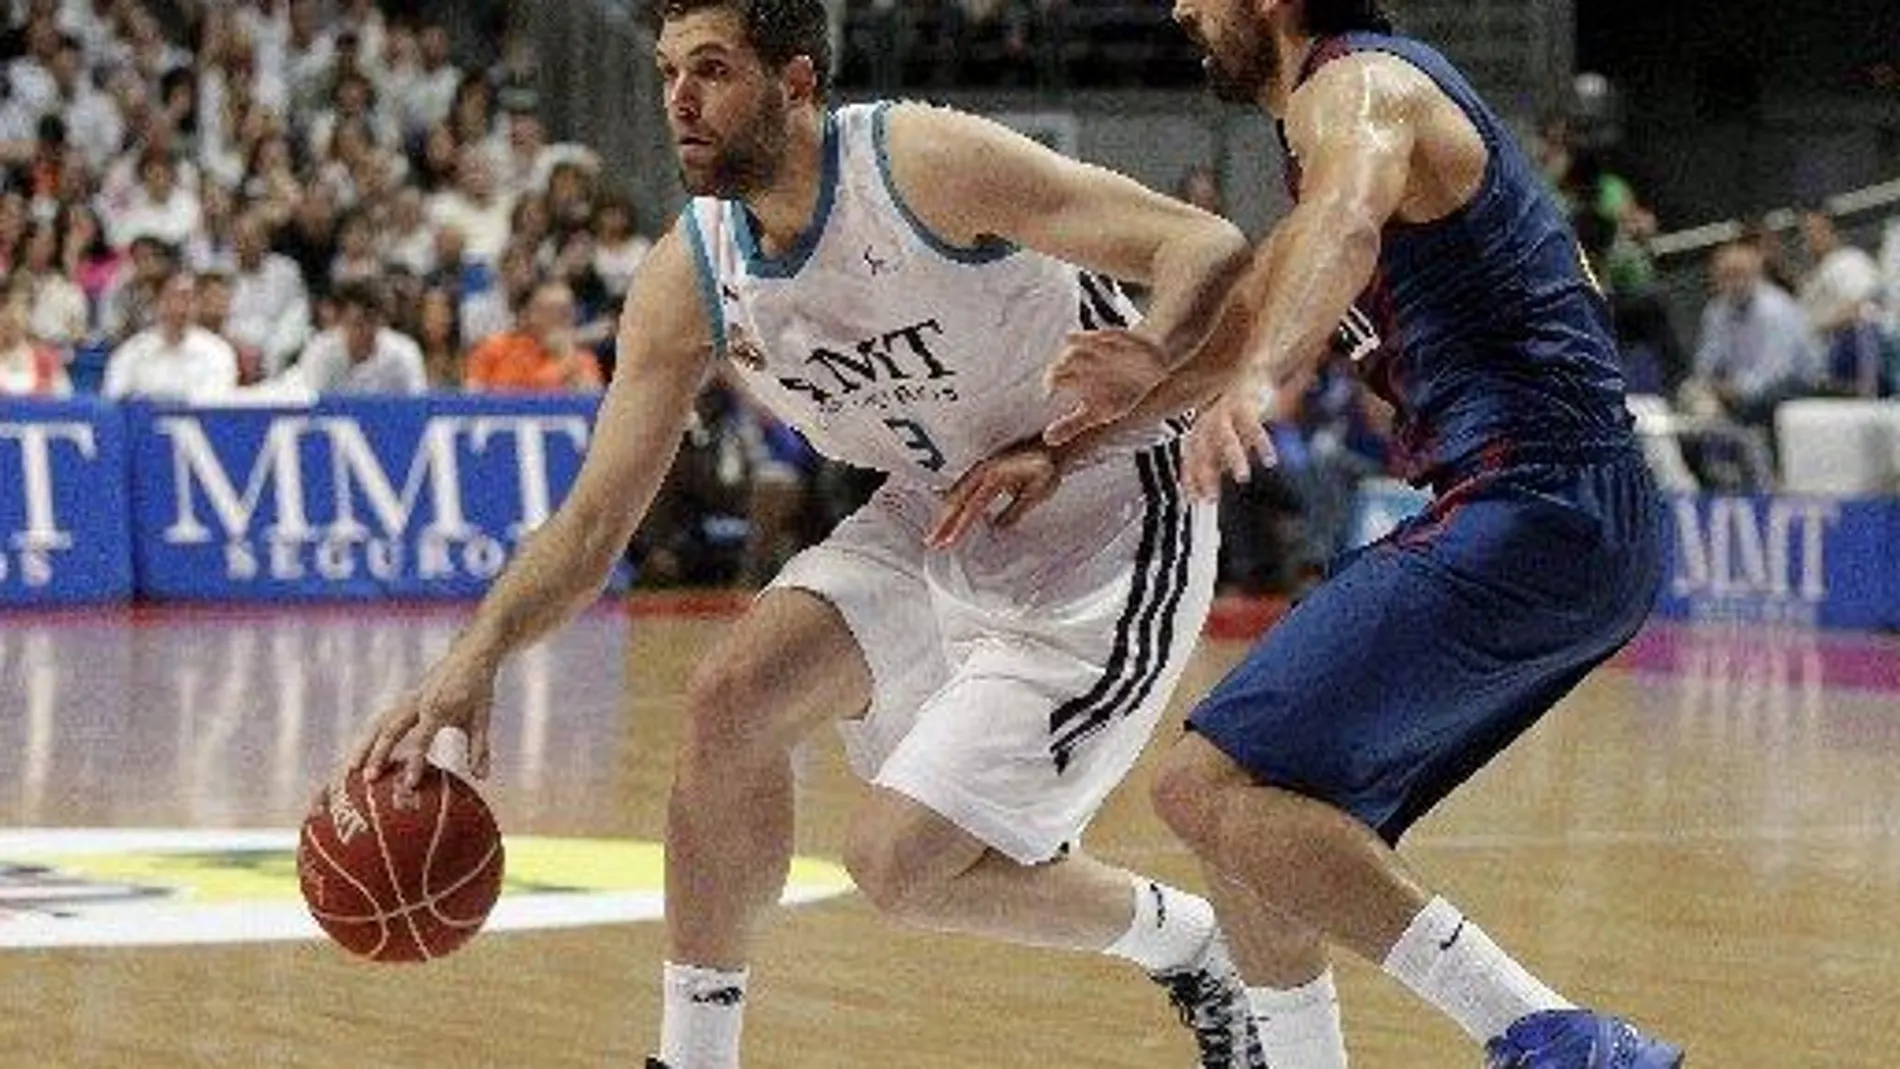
[1018, 675]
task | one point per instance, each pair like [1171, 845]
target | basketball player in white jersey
[892, 279]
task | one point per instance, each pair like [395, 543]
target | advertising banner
[349, 498]
[64, 537]
[1803, 561]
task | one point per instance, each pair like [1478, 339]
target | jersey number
[917, 440]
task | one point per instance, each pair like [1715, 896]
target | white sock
[1170, 928]
[1449, 962]
[1300, 1027]
[705, 1009]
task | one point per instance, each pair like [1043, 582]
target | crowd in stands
[287, 194]
[313, 197]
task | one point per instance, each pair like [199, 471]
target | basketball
[396, 876]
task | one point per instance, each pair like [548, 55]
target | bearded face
[746, 159]
[729, 116]
[1240, 59]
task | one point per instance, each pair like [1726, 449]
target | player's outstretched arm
[970, 179]
[664, 344]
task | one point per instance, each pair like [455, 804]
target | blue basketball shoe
[1577, 1039]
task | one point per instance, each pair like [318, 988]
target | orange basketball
[398, 876]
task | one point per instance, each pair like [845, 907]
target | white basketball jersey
[884, 346]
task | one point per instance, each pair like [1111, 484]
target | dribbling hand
[1225, 439]
[1108, 372]
[455, 694]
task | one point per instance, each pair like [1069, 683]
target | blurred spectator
[439, 333]
[270, 306]
[433, 161]
[158, 207]
[528, 160]
[86, 256]
[27, 368]
[352, 102]
[475, 206]
[214, 315]
[570, 195]
[310, 239]
[126, 306]
[425, 101]
[493, 310]
[1200, 186]
[29, 78]
[54, 167]
[408, 240]
[529, 225]
[364, 20]
[309, 58]
[270, 181]
[595, 310]
[471, 119]
[13, 220]
[175, 360]
[542, 355]
[1755, 349]
[357, 259]
[1777, 266]
[1331, 437]
[211, 248]
[57, 312]
[361, 354]
[1841, 298]
[1890, 271]
[618, 247]
[1550, 150]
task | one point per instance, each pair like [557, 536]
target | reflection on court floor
[1706, 835]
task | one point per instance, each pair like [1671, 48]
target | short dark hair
[1325, 18]
[359, 294]
[778, 30]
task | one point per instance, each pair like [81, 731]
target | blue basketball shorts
[1425, 654]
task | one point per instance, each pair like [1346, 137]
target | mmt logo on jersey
[895, 367]
[63, 536]
[389, 498]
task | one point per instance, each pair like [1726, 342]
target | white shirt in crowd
[413, 251]
[1847, 276]
[615, 264]
[395, 367]
[485, 228]
[60, 312]
[201, 367]
[1890, 270]
[425, 100]
[270, 310]
[172, 221]
[93, 126]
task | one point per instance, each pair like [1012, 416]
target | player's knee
[728, 717]
[899, 889]
[1185, 795]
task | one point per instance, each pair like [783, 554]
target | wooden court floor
[1706, 836]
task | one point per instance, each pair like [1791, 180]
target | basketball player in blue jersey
[1422, 228]
[893, 280]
